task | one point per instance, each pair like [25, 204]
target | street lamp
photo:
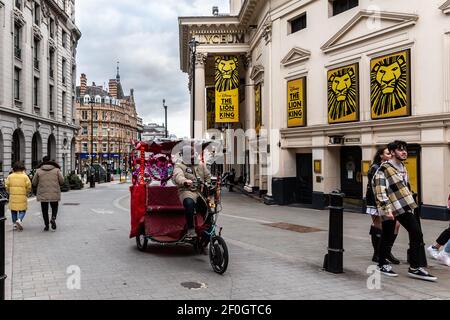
[92, 171]
[108, 176]
[193, 46]
[165, 111]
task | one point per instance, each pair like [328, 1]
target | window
[50, 98]
[104, 132]
[64, 62]
[37, 14]
[95, 115]
[52, 28]
[36, 54]
[95, 130]
[16, 83]
[84, 131]
[104, 116]
[35, 92]
[17, 42]
[84, 115]
[340, 6]
[95, 147]
[64, 39]
[298, 23]
[105, 147]
[84, 147]
[19, 4]
[52, 64]
[64, 105]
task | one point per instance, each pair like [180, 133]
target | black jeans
[416, 245]
[444, 237]
[189, 206]
[44, 207]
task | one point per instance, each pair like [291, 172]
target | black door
[351, 178]
[304, 178]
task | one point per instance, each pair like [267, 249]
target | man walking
[395, 202]
[48, 180]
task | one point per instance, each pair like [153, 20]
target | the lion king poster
[343, 94]
[296, 102]
[227, 89]
[258, 111]
[390, 92]
[210, 108]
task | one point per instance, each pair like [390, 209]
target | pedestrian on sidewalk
[395, 202]
[443, 240]
[381, 156]
[48, 179]
[18, 185]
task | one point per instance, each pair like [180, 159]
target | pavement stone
[265, 262]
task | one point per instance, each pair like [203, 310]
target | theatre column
[200, 95]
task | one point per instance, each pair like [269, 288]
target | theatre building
[331, 81]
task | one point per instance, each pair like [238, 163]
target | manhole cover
[71, 204]
[194, 285]
[293, 227]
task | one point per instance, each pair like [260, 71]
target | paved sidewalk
[265, 262]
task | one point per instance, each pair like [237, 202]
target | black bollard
[333, 261]
[2, 247]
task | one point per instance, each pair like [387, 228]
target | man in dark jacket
[48, 180]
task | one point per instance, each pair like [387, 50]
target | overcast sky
[143, 36]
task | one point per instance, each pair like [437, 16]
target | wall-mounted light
[336, 140]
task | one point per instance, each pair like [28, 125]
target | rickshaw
[157, 214]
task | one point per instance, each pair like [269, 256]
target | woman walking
[18, 185]
[381, 156]
[48, 180]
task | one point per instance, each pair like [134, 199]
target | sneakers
[444, 258]
[46, 228]
[191, 233]
[387, 271]
[53, 223]
[421, 273]
[19, 225]
[433, 252]
[392, 259]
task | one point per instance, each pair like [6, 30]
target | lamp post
[120, 154]
[165, 112]
[92, 171]
[193, 46]
[108, 166]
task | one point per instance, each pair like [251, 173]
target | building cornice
[445, 7]
[38, 118]
[401, 21]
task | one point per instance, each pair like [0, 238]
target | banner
[296, 103]
[390, 86]
[227, 89]
[258, 106]
[210, 108]
[343, 94]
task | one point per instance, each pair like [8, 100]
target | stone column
[200, 96]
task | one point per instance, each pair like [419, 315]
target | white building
[342, 57]
[38, 41]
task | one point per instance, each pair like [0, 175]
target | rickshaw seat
[163, 200]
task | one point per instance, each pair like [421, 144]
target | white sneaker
[19, 225]
[444, 258]
[433, 252]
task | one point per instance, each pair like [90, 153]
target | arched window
[107, 100]
[87, 99]
[98, 99]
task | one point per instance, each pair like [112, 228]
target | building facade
[109, 124]
[38, 41]
[331, 80]
[153, 131]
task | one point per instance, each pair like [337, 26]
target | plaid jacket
[392, 193]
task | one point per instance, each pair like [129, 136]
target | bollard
[333, 261]
[2, 248]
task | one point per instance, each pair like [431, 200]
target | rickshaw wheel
[218, 254]
[141, 240]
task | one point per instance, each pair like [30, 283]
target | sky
[143, 35]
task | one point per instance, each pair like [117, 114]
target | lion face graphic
[227, 74]
[389, 85]
[342, 93]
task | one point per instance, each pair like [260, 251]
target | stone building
[114, 125]
[38, 41]
[334, 79]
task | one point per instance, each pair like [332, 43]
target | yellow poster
[227, 89]
[411, 167]
[296, 103]
[343, 94]
[210, 108]
[390, 86]
[258, 106]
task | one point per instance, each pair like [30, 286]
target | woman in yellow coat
[18, 185]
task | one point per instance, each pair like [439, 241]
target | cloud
[143, 36]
